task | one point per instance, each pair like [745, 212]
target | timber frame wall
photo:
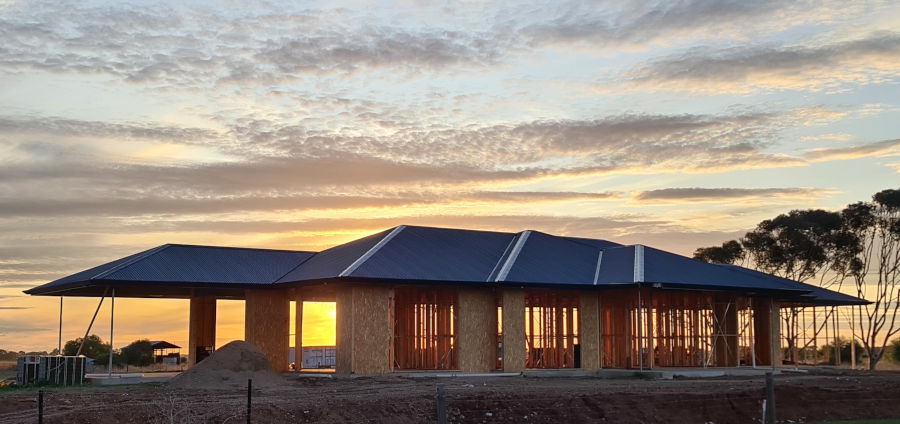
[381, 328]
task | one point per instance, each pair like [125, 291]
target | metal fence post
[770, 398]
[249, 397]
[441, 404]
[40, 407]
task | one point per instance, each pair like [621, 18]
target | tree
[875, 268]
[798, 245]
[138, 353]
[731, 252]
[93, 347]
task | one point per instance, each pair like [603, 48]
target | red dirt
[800, 398]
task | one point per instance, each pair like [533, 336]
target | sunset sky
[676, 124]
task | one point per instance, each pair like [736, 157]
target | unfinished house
[422, 298]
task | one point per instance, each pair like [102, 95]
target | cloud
[13, 308]
[798, 67]
[875, 149]
[57, 126]
[198, 47]
[724, 194]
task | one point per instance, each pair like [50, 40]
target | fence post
[441, 405]
[249, 397]
[40, 407]
[770, 398]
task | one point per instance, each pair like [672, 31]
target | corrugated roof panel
[546, 259]
[189, 264]
[330, 263]
[205, 264]
[99, 270]
[429, 254]
[816, 294]
[668, 268]
[617, 266]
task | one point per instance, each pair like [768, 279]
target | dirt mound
[228, 367]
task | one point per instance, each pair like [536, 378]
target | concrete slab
[132, 378]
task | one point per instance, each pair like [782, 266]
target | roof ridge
[369, 253]
[239, 248]
[295, 267]
[502, 259]
[638, 263]
[511, 259]
[137, 257]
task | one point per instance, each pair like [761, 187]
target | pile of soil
[229, 367]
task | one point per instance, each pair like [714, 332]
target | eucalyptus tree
[875, 269]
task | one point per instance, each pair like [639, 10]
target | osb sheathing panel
[267, 324]
[589, 329]
[372, 330]
[513, 302]
[202, 326]
[477, 330]
[344, 330]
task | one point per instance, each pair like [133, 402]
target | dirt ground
[820, 395]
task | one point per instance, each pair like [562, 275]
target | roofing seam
[133, 260]
[503, 258]
[362, 259]
[504, 271]
[638, 263]
[597, 270]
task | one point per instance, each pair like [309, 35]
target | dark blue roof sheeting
[436, 254]
[814, 294]
[616, 266]
[331, 263]
[426, 254]
[545, 259]
[174, 263]
[670, 269]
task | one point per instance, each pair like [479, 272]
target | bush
[893, 351]
[845, 351]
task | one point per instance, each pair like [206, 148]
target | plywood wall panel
[513, 321]
[267, 324]
[589, 330]
[477, 331]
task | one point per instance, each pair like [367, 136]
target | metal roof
[435, 254]
[178, 266]
[428, 255]
[813, 295]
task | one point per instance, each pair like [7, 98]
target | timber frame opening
[424, 328]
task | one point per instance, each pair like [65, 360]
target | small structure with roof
[166, 353]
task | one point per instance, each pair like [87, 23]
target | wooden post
[762, 330]
[202, 326]
[298, 332]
